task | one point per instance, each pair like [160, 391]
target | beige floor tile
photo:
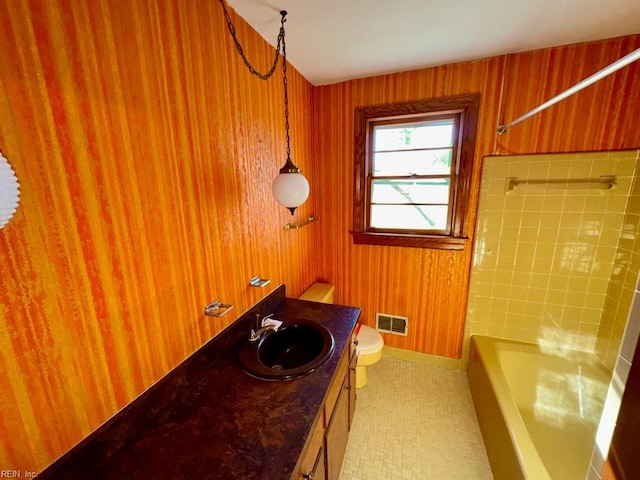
[413, 422]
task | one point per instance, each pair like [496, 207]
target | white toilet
[369, 350]
[370, 341]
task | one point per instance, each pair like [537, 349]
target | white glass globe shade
[290, 189]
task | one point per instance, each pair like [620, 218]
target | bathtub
[538, 408]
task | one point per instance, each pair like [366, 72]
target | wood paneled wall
[430, 286]
[145, 151]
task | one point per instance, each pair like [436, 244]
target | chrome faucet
[255, 335]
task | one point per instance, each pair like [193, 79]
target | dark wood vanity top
[207, 419]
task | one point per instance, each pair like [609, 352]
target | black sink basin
[298, 348]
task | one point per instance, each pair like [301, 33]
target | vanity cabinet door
[325, 452]
[318, 472]
[337, 433]
[336, 387]
[352, 387]
[312, 466]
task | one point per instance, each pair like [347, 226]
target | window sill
[411, 241]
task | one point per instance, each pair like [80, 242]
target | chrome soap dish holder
[258, 282]
[217, 309]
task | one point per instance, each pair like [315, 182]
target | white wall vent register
[392, 323]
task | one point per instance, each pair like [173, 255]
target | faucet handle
[269, 322]
[253, 336]
[263, 322]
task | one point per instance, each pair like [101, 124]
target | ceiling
[330, 41]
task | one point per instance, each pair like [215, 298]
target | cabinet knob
[308, 476]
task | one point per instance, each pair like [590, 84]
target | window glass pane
[411, 136]
[409, 217]
[425, 162]
[432, 190]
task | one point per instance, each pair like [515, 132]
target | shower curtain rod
[615, 66]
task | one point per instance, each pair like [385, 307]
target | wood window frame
[365, 117]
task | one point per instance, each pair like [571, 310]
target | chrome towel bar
[604, 182]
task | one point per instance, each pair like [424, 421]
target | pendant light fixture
[290, 188]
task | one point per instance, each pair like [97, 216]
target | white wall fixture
[9, 191]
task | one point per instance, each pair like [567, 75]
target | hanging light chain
[232, 31]
[281, 47]
[286, 91]
[289, 166]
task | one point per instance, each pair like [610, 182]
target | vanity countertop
[207, 419]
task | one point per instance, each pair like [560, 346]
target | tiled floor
[414, 422]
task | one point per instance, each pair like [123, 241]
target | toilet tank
[319, 292]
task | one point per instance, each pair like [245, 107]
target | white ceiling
[329, 41]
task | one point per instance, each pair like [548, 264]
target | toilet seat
[369, 340]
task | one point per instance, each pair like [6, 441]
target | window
[413, 167]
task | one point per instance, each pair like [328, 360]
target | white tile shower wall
[544, 254]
